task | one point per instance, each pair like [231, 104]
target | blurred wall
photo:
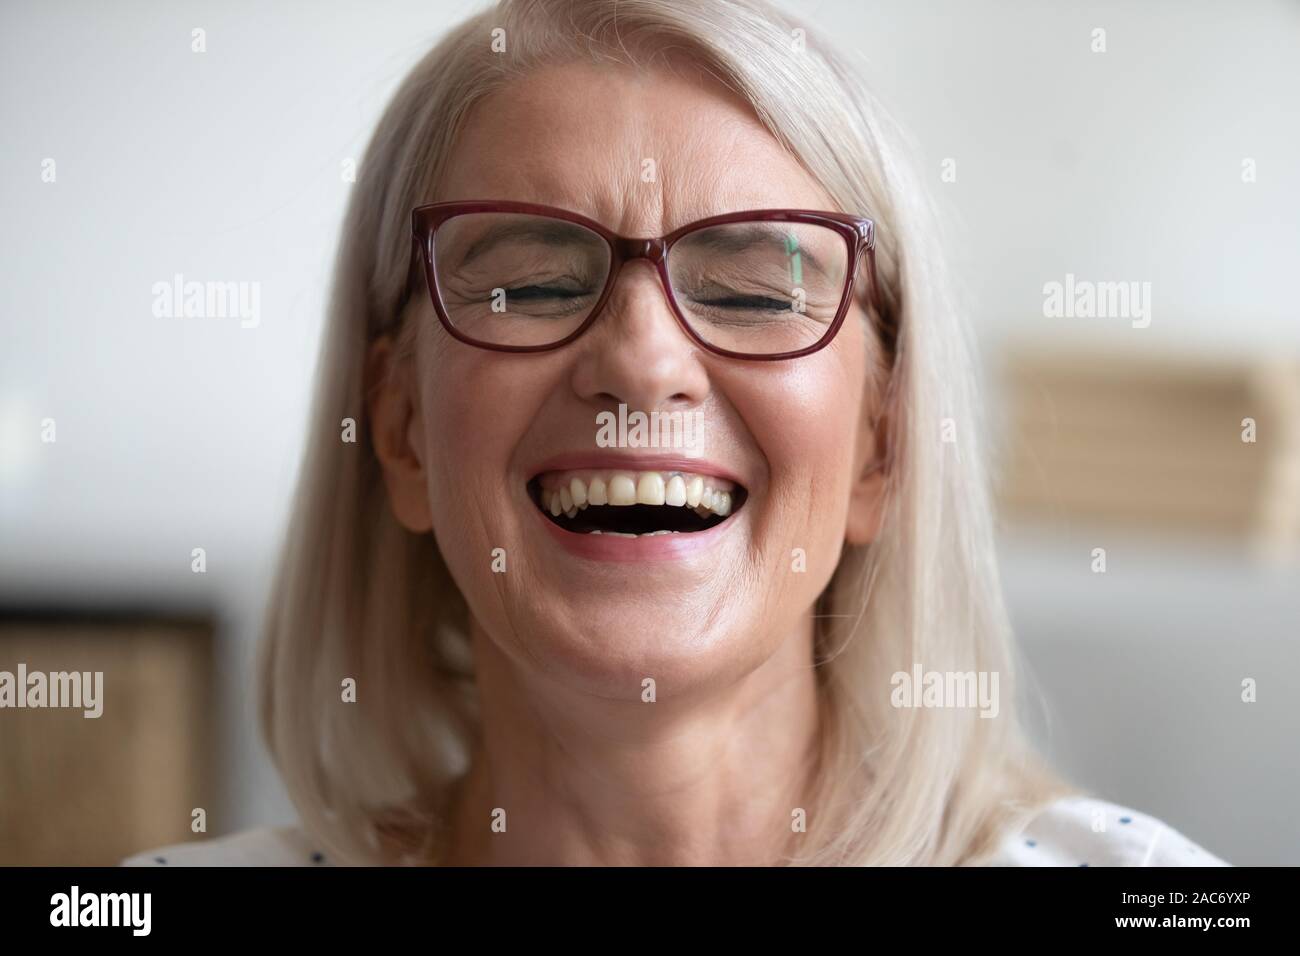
[230, 165]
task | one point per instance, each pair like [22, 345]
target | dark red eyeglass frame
[859, 236]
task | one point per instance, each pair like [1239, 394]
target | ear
[871, 469]
[396, 434]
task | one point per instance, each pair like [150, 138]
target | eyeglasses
[519, 277]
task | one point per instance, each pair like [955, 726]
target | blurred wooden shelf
[1104, 440]
[78, 791]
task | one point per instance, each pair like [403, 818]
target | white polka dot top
[1082, 831]
[1074, 831]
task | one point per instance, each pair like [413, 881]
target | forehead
[641, 151]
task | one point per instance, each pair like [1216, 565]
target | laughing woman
[499, 636]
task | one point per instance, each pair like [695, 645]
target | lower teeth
[624, 534]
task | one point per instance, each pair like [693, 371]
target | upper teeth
[567, 493]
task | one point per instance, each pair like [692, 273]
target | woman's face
[467, 436]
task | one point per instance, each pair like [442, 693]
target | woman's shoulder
[1085, 831]
[260, 846]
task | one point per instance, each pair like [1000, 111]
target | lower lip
[610, 547]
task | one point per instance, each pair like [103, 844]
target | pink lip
[608, 547]
[576, 461]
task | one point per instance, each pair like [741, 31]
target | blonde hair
[358, 596]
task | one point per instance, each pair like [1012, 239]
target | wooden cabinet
[1166, 446]
[89, 791]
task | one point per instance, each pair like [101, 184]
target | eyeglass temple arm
[867, 231]
[414, 274]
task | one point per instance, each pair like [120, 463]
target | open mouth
[632, 504]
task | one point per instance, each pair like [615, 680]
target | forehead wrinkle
[537, 163]
[742, 166]
[706, 157]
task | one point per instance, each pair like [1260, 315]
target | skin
[587, 772]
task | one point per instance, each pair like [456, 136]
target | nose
[636, 354]
[652, 249]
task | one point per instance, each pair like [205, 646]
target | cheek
[474, 410]
[806, 425]
[458, 415]
[473, 416]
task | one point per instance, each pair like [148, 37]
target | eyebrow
[552, 232]
[733, 239]
[737, 238]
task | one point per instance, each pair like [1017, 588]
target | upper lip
[615, 461]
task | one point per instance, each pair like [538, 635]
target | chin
[609, 647]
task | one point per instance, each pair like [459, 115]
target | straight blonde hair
[357, 596]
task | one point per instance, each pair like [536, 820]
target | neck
[698, 779]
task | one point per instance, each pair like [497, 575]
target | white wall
[1123, 165]
[182, 433]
